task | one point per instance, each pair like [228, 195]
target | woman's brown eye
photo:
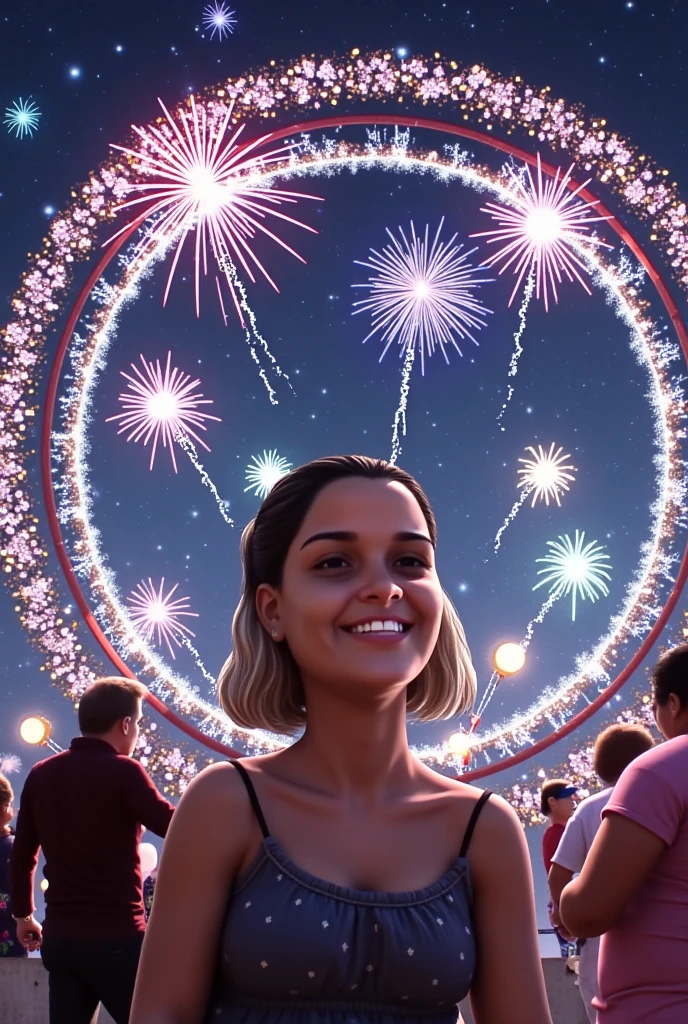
[334, 562]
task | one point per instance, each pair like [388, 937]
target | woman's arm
[508, 984]
[204, 847]
[621, 856]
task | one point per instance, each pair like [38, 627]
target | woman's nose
[380, 587]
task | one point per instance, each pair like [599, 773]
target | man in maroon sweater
[86, 808]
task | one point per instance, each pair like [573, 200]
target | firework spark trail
[530, 629]
[400, 414]
[512, 515]
[252, 334]
[185, 642]
[544, 474]
[494, 682]
[518, 347]
[187, 445]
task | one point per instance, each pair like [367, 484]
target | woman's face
[360, 603]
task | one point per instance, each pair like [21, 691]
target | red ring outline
[65, 339]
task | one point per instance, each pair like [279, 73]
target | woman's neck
[359, 751]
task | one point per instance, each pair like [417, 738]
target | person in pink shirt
[633, 889]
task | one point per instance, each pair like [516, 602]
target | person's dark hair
[616, 747]
[259, 685]
[106, 702]
[6, 792]
[670, 675]
[550, 788]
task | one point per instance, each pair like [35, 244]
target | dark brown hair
[670, 675]
[108, 701]
[259, 685]
[616, 747]
[550, 788]
[6, 792]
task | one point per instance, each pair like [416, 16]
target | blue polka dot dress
[299, 950]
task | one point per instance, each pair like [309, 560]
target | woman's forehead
[361, 505]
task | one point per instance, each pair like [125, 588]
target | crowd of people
[339, 878]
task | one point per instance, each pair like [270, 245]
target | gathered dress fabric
[296, 949]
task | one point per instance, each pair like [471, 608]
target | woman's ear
[268, 604]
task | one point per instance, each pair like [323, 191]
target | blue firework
[22, 118]
[219, 18]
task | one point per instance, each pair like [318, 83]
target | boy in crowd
[556, 803]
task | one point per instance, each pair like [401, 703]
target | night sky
[93, 69]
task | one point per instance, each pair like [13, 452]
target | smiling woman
[385, 891]
[303, 565]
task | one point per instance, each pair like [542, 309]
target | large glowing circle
[509, 658]
[485, 740]
[35, 731]
[471, 94]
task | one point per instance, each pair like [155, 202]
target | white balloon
[149, 858]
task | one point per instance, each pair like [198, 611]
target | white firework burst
[547, 474]
[422, 294]
[263, 472]
[158, 615]
[219, 18]
[9, 764]
[575, 568]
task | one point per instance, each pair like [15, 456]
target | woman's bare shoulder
[497, 818]
[216, 797]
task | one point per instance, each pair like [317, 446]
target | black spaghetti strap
[484, 797]
[255, 803]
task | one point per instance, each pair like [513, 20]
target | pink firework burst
[203, 181]
[158, 616]
[537, 231]
[161, 405]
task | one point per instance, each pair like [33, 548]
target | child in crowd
[556, 804]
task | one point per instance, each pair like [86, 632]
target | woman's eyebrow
[348, 536]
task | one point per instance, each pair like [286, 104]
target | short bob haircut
[670, 675]
[259, 685]
[616, 747]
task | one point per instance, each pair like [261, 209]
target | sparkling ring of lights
[124, 642]
[470, 94]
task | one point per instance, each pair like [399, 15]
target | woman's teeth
[378, 626]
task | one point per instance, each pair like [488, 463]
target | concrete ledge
[24, 994]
